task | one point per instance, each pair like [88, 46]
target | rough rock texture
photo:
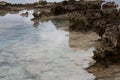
[107, 55]
[109, 48]
[105, 21]
[108, 51]
[72, 6]
[83, 20]
[96, 19]
[40, 15]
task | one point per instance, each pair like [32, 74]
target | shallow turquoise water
[43, 53]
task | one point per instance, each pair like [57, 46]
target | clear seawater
[42, 53]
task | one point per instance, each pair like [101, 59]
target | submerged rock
[42, 14]
[25, 14]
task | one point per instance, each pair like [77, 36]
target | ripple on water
[41, 54]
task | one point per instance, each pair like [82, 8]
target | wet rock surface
[80, 40]
[107, 55]
[102, 73]
[104, 19]
[41, 14]
[105, 22]
[24, 14]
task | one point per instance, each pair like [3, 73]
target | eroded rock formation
[108, 51]
[96, 19]
[109, 48]
[105, 21]
[72, 6]
[107, 55]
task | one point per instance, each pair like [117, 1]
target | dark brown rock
[25, 14]
[109, 48]
[43, 14]
[72, 6]
[105, 21]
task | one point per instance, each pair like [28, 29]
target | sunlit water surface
[43, 53]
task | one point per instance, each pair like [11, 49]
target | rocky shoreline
[85, 16]
[105, 21]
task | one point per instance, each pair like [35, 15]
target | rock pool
[42, 53]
